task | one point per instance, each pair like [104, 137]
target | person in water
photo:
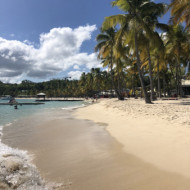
[12, 101]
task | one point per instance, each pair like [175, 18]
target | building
[185, 87]
[41, 95]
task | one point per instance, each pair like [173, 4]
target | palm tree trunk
[180, 85]
[164, 84]
[158, 76]
[179, 73]
[177, 89]
[147, 99]
[118, 81]
[119, 96]
[133, 86]
[150, 73]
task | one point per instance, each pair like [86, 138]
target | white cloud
[59, 50]
[75, 74]
[76, 67]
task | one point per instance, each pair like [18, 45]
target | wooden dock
[20, 104]
[59, 100]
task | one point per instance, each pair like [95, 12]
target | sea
[16, 168]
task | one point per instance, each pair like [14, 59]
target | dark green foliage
[89, 84]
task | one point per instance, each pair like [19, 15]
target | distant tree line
[89, 84]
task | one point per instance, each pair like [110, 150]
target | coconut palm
[160, 66]
[147, 55]
[97, 77]
[105, 46]
[177, 43]
[180, 11]
[137, 19]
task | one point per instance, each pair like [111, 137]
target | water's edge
[16, 168]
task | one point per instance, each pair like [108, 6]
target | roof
[185, 82]
[41, 94]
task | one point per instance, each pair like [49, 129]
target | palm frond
[122, 4]
[102, 37]
[112, 21]
[99, 46]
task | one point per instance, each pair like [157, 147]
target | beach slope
[155, 133]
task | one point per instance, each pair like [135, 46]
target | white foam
[74, 107]
[18, 172]
[1, 133]
[8, 124]
[1, 127]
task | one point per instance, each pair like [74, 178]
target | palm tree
[136, 19]
[160, 65]
[82, 83]
[148, 49]
[97, 78]
[105, 46]
[177, 43]
[180, 11]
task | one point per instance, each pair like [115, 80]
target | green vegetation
[88, 85]
[136, 49]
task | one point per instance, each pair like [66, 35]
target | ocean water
[8, 114]
[16, 168]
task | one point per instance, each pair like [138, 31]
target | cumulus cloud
[75, 74]
[76, 67]
[59, 50]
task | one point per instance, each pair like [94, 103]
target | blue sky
[34, 28]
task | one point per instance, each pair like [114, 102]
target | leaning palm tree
[136, 20]
[147, 55]
[106, 48]
[180, 11]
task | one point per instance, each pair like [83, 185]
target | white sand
[158, 134]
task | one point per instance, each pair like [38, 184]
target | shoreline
[17, 169]
[158, 133]
[80, 149]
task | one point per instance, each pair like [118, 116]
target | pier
[20, 104]
[69, 100]
[59, 99]
[41, 97]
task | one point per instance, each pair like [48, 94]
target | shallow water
[16, 168]
[83, 156]
[8, 114]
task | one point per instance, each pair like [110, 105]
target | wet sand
[84, 156]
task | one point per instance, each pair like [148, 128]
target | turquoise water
[30, 178]
[8, 114]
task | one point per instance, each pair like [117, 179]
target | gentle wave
[1, 129]
[18, 172]
[16, 168]
[8, 124]
[74, 107]
[1, 132]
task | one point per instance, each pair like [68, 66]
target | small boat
[6, 97]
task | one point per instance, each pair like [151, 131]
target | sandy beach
[110, 144]
[156, 133]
